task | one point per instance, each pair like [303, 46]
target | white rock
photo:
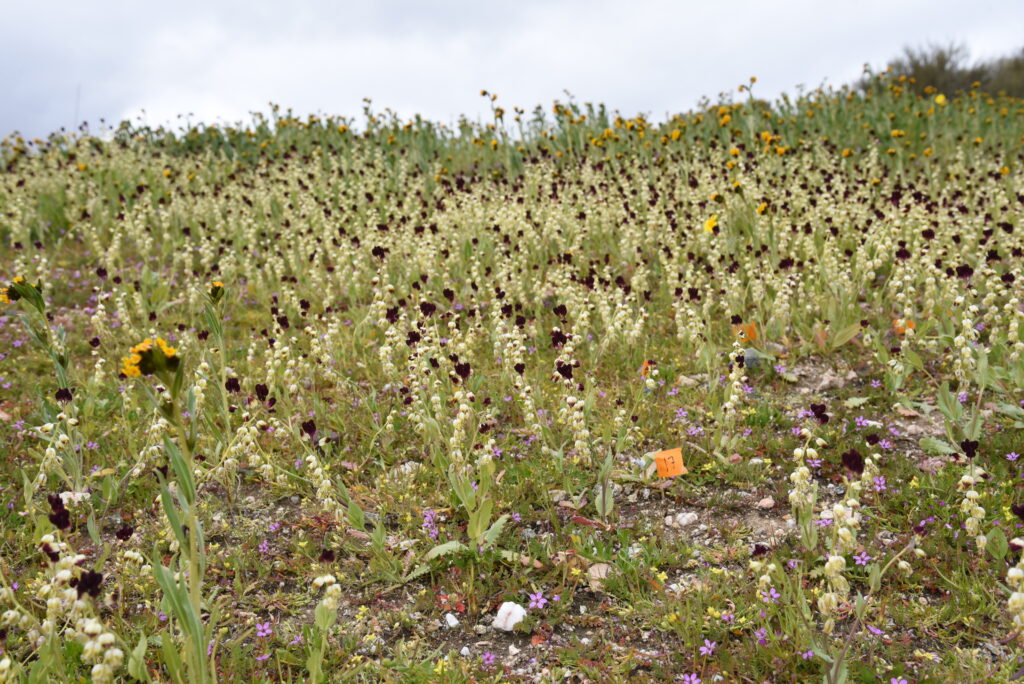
[512, 650]
[766, 504]
[464, 652]
[688, 518]
[509, 615]
[452, 621]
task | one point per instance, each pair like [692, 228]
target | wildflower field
[736, 396]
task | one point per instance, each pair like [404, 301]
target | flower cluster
[147, 358]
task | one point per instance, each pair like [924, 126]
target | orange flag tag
[670, 463]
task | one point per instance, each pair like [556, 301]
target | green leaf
[494, 531]
[997, 544]
[845, 335]
[94, 532]
[854, 402]
[875, 577]
[936, 446]
[324, 617]
[913, 359]
[1010, 410]
[137, 660]
[355, 516]
[479, 519]
[444, 549]
[418, 571]
[172, 514]
[171, 659]
[182, 471]
[604, 497]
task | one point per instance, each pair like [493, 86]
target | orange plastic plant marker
[670, 463]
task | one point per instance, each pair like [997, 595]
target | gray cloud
[221, 60]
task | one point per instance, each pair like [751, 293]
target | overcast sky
[220, 60]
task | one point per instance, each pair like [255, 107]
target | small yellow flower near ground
[763, 207]
[847, 152]
[711, 224]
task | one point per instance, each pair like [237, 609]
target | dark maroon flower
[1018, 510]
[89, 583]
[61, 519]
[853, 461]
[970, 448]
[232, 385]
[262, 391]
[463, 370]
[327, 556]
[125, 533]
[309, 427]
[63, 395]
[427, 309]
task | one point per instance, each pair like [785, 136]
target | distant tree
[947, 69]
[1007, 74]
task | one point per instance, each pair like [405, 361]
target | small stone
[452, 621]
[480, 629]
[512, 650]
[688, 518]
[756, 461]
[735, 459]
[509, 615]
[557, 495]
[766, 504]
[464, 652]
